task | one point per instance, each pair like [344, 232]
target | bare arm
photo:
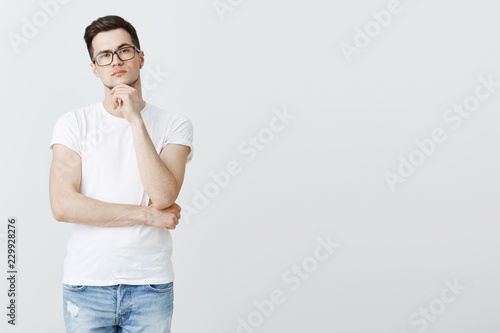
[68, 205]
[162, 175]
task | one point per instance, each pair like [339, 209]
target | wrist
[136, 120]
[147, 216]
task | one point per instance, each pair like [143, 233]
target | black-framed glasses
[124, 54]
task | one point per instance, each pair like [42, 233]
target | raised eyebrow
[119, 47]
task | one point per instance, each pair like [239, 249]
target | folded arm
[162, 175]
[68, 205]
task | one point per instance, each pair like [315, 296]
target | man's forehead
[111, 40]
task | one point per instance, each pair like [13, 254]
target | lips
[118, 72]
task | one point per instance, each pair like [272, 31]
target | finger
[122, 91]
[122, 97]
[121, 94]
[125, 89]
[122, 88]
[121, 85]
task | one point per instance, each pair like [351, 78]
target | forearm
[78, 208]
[158, 181]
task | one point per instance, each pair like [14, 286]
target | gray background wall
[362, 81]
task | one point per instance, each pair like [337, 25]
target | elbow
[163, 202]
[59, 218]
[162, 205]
[61, 203]
[164, 199]
[58, 215]
[58, 210]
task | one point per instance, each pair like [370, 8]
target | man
[117, 169]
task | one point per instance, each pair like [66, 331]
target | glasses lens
[126, 53]
[104, 58]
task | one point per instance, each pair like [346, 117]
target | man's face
[118, 71]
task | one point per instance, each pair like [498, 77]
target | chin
[120, 80]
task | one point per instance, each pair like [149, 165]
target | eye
[124, 50]
[104, 55]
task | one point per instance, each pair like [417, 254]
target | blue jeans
[119, 308]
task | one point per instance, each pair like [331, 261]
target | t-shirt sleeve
[181, 132]
[66, 132]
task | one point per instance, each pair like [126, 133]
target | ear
[141, 59]
[94, 69]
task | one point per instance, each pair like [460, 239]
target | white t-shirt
[103, 256]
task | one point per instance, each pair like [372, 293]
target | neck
[108, 98]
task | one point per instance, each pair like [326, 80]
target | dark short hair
[107, 23]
